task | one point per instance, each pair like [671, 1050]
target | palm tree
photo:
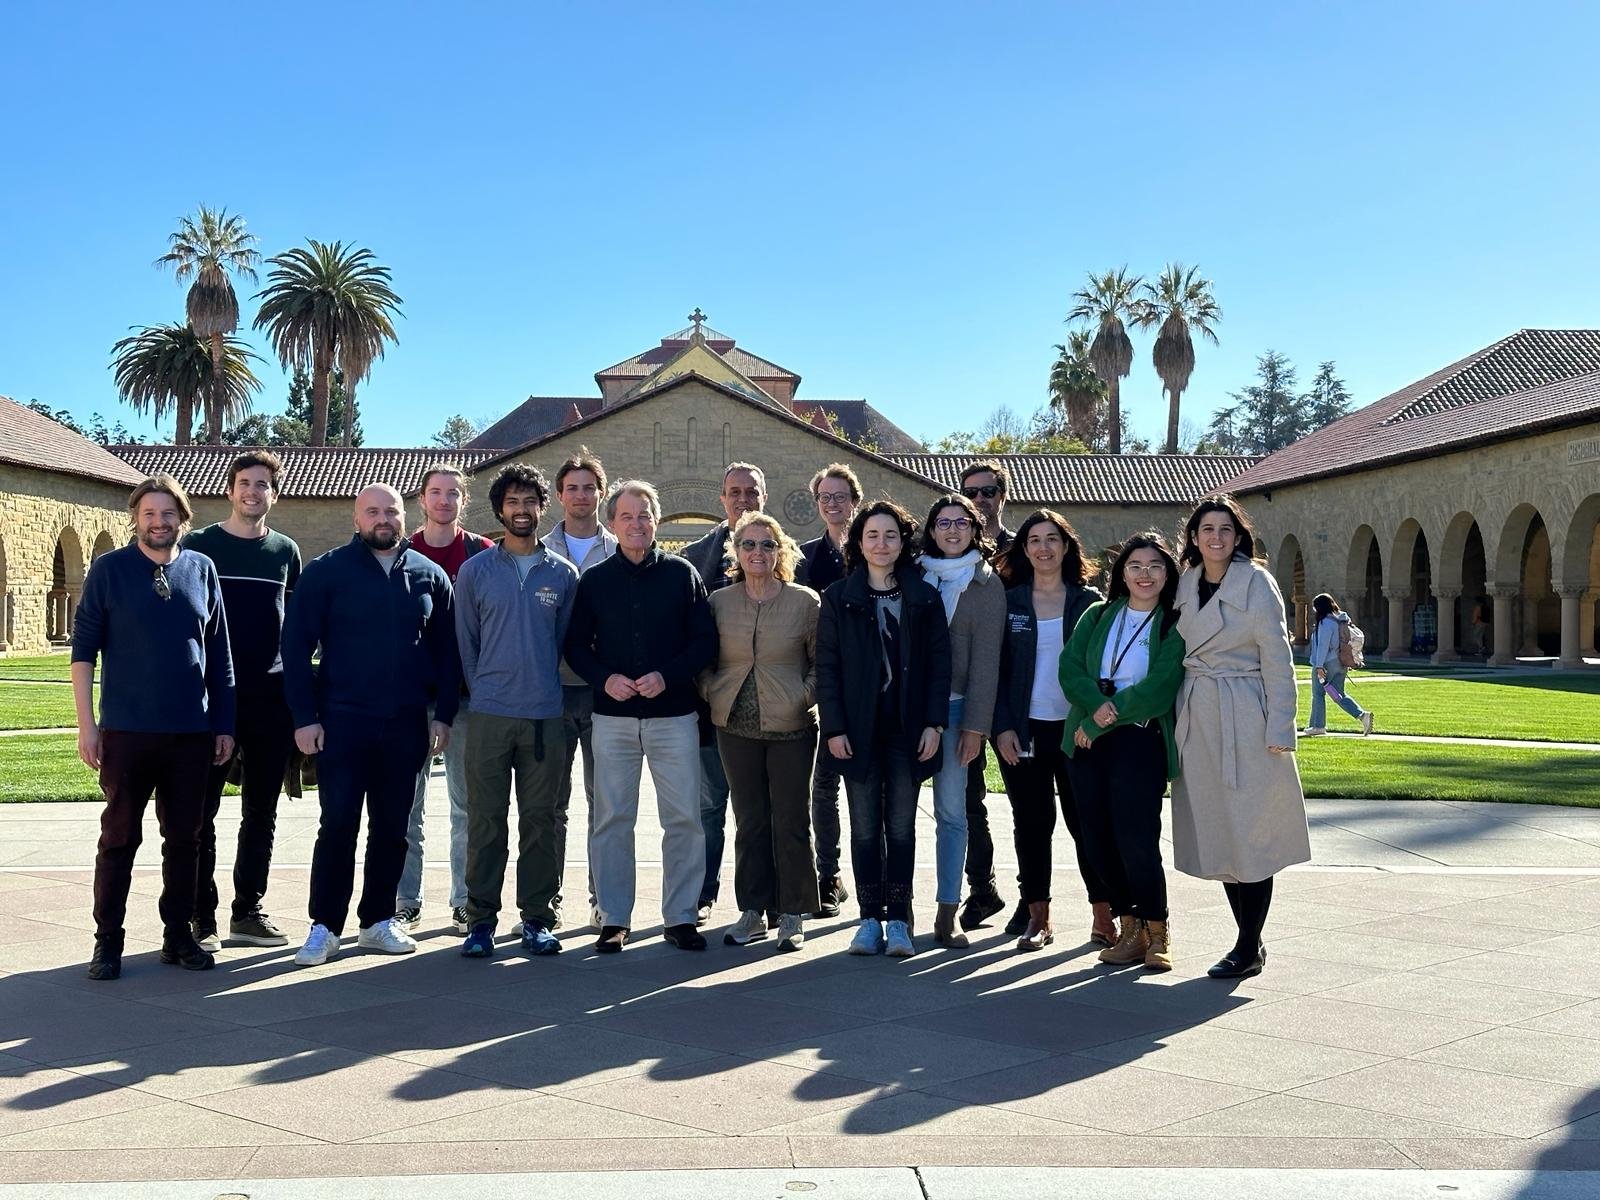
[1181, 303]
[209, 246]
[1106, 302]
[1076, 390]
[164, 367]
[327, 307]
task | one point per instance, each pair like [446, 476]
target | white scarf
[951, 576]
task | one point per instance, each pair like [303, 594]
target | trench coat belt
[1225, 710]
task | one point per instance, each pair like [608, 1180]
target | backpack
[1351, 642]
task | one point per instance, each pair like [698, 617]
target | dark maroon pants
[133, 766]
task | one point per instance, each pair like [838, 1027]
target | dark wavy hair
[1148, 540]
[1014, 566]
[853, 557]
[930, 549]
[1223, 503]
[1324, 605]
[524, 478]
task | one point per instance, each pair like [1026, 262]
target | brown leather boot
[1158, 955]
[1038, 935]
[945, 932]
[1131, 943]
[1103, 931]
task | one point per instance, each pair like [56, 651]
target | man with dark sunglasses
[984, 483]
[152, 614]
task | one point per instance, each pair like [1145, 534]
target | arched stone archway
[1289, 566]
[103, 544]
[1519, 583]
[1460, 586]
[1413, 614]
[66, 587]
[677, 529]
[1579, 585]
[1363, 597]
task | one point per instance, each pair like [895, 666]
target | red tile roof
[1534, 379]
[31, 439]
[309, 472]
[742, 361]
[1091, 478]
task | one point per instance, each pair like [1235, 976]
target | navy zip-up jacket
[388, 640]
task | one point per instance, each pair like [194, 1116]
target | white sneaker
[1366, 723]
[899, 940]
[596, 921]
[1313, 731]
[869, 938]
[387, 937]
[791, 931]
[321, 945]
[750, 927]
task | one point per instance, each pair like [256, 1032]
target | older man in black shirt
[641, 631]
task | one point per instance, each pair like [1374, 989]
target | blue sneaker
[480, 941]
[536, 939]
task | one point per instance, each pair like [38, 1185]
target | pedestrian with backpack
[1336, 648]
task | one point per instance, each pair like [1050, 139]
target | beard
[522, 525]
[158, 540]
[381, 537]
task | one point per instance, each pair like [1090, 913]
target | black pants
[1117, 785]
[263, 741]
[772, 863]
[825, 811]
[1035, 785]
[173, 767]
[883, 831]
[372, 761]
[980, 844]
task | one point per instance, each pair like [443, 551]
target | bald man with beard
[384, 618]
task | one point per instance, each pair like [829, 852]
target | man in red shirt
[441, 539]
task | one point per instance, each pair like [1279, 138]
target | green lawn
[36, 705]
[1342, 767]
[44, 767]
[1564, 708]
[42, 666]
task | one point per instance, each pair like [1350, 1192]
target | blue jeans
[883, 831]
[1319, 698]
[455, 778]
[713, 819]
[950, 812]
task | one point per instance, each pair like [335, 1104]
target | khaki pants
[533, 753]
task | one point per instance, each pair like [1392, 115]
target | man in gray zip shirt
[512, 608]
[582, 540]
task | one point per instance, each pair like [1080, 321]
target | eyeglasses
[766, 544]
[1154, 569]
[988, 491]
[830, 499]
[159, 583]
[961, 523]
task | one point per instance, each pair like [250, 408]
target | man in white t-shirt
[580, 486]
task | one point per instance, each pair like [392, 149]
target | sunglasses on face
[988, 491]
[158, 581]
[766, 544]
[961, 523]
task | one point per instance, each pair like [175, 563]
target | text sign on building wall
[1582, 450]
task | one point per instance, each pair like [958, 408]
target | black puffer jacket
[850, 667]
[1021, 648]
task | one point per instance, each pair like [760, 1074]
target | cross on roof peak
[697, 318]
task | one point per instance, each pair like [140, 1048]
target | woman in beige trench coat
[1238, 812]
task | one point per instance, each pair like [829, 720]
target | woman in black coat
[883, 693]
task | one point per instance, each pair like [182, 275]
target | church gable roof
[699, 361]
[749, 365]
[31, 439]
[1532, 380]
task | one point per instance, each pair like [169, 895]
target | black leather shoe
[684, 937]
[106, 962]
[831, 894]
[1239, 964]
[183, 951]
[1018, 925]
[980, 906]
[612, 939]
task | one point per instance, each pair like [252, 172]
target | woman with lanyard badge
[1238, 814]
[1121, 672]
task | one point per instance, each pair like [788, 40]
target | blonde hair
[168, 486]
[788, 555]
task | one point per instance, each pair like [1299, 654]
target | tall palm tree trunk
[1114, 416]
[349, 412]
[1174, 397]
[183, 436]
[214, 397]
[321, 380]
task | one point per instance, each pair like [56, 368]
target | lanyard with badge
[1108, 682]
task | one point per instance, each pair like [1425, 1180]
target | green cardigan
[1152, 698]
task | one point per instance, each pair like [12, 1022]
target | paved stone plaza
[1432, 1003]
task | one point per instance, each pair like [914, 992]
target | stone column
[1530, 627]
[1586, 621]
[1302, 619]
[1505, 596]
[1446, 599]
[1571, 624]
[1399, 636]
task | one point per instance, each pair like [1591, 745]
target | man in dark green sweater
[258, 568]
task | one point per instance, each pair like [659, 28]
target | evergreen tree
[1264, 417]
[1328, 399]
[456, 433]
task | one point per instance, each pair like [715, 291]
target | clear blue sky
[893, 200]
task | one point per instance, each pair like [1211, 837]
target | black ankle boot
[1018, 925]
[979, 907]
[181, 950]
[106, 961]
[1240, 963]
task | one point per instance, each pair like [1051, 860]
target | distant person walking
[1238, 813]
[1328, 671]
